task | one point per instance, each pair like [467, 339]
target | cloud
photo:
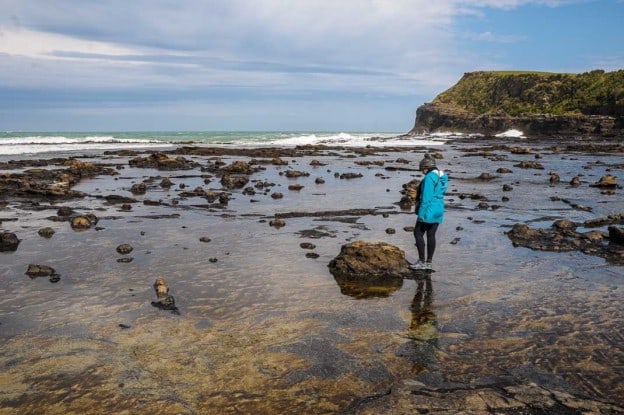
[162, 50]
[491, 37]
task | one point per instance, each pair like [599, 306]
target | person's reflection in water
[423, 328]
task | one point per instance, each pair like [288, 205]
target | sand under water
[264, 328]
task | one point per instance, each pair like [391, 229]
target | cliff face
[535, 103]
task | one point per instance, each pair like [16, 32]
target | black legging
[419, 231]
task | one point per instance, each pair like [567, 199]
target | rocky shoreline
[553, 197]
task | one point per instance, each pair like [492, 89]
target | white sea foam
[358, 140]
[513, 133]
[48, 144]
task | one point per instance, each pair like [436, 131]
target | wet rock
[576, 181]
[83, 222]
[295, 173]
[234, 182]
[616, 235]
[530, 165]
[239, 167]
[277, 223]
[606, 182]
[114, 199]
[554, 178]
[295, 187]
[166, 183]
[277, 195]
[138, 189]
[563, 237]
[317, 163]
[617, 219]
[126, 207]
[369, 269]
[8, 242]
[36, 270]
[312, 255]
[161, 161]
[46, 232]
[390, 231]
[503, 395]
[348, 176]
[204, 239]
[410, 194]
[455, 241]
[362, 259]
[164, 301]
[307, 245]
[520, 150]
[124, 249]
[64, 211]
[504, 170]
[319, 180]
[212, 260]
[486, 177]
[125, 260]
[507, 188]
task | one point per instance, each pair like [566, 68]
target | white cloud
[42, 45]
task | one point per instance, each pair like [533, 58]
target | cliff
[536, 103]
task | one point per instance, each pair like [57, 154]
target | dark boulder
[124, 249]
[369, 269]
[46, 232]
[8, 242]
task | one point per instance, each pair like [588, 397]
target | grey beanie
[427, 162]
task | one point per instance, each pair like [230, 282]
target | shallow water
[267, 330]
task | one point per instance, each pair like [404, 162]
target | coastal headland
[196, 280]
[540, 104]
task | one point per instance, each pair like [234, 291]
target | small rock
[607, 181]
[64, 211]
[204, 239]
[46, 232]
[277, 223]
[390, 231]
[307, 245]
[8, 242]
[277, 195]
[138, 189]
[125, 260]
[124, 249]
[313, 255]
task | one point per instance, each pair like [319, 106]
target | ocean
[30, 143]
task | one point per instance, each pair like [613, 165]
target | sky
[276, 65]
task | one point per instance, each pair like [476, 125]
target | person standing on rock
[430, 211]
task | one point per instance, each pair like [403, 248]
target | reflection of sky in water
[484, 291]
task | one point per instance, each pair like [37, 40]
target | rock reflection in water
[372, 287]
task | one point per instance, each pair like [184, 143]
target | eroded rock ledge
[498, 396]
[562, 236]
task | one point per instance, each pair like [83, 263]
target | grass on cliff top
[527, 92]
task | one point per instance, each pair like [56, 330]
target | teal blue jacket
[432, 189]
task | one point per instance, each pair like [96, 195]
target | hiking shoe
[417, 266]
[427, 266]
